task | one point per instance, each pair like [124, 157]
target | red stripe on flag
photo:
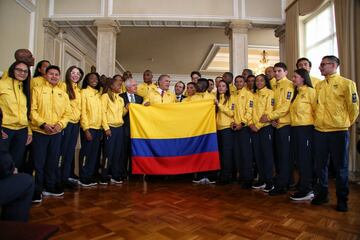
[200, 162]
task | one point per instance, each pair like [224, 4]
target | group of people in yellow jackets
[266, 119]
[48, 113]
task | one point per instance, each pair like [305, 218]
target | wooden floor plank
[163, 210]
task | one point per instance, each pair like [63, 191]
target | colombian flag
[174, 138]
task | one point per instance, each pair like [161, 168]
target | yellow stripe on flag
[175, 120]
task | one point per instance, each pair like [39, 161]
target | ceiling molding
[27, 5]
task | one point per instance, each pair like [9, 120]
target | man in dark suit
[129, 96]
[179, 90]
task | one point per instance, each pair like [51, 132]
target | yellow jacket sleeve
[36, 119]
[352, 101]
[104, 107]
[226, 108]
[249, 108]
[67, 114]
[284, 107]
[84, 121]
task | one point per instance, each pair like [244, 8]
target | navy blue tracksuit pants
[263, 152]
[243, 154]
[335, 144]
[68, 144]
[15, 199]
[302, 154]
[46, 152]
[89, 154]
[282, 145]
[15, 145]
[226, 145]
[113, 156]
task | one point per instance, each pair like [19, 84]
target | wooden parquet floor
[182, 210]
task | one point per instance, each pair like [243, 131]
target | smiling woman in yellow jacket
[302, 114]
[14, 102]
[224, 119]
[50, 113]
[71, 133]
[262, 137]
[113, 110]
[90, 134]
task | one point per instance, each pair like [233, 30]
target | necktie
[162, 93]
[132, 98]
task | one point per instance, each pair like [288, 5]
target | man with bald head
[23, 55]
[129, 96]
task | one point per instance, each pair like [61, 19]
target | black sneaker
[199, 180]
[302, 196]
[268, 188]
[258, 185]
[104, 181]
[116, 180]
[37, 197]
[342, 206]
[277, 191]
[53, 192]
[86, 183]
[320, 199]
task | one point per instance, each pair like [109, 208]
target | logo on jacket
[354, 98]
[288, 96]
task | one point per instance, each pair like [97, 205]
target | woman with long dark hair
[302, 113]
[224, 119]
[15, 104]
[73, 77]
[39, 74]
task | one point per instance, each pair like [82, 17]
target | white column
[50, 45]
[237, 31]
[106, 46]
[280, 33]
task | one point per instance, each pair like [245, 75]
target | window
[320, 37]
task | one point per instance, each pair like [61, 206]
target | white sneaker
[116, 181]
[73, 180]
[54, 193]
[299, 196]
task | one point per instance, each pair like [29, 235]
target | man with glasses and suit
[129, 96]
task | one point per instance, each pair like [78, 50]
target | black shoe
[277, 191]
[86, 183]
[258, 185]
[54, 192]
[104, 181]
[342, 206]
[320, 199]
[302, 196]
[268, 187]
[37, 197]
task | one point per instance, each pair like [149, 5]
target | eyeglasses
[75, 73]
[25, 71]
[323, 64]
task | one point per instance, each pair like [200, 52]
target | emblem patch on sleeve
[354, 98]
[288, 96]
